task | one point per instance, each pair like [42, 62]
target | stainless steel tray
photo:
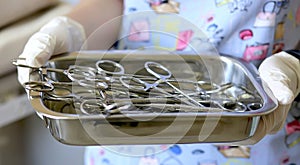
[208, 125]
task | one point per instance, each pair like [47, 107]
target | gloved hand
[281, 74]
[60, 35]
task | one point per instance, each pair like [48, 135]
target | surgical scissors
[162, 75]
[110, 71]
[162, 78]
[116, 70]
[110, 67]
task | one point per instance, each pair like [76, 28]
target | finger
[23, 75]
[278, 84]
[38, 49]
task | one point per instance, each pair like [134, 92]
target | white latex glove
[60, 35]
[281, 73]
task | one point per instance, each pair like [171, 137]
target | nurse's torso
[248, 29]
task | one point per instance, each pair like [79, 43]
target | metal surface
[172, 123]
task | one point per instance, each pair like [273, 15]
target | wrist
[296, 54]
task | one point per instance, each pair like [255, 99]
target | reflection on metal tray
[200, 99]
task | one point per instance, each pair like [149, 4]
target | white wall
[42, 149]
[71, 1]
[29, 142]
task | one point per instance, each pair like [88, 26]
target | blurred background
[24, 139]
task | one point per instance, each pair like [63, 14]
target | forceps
[74, 73]
[94, 106]
[162, 78]
[78, 94]
[135, 106]
[109, 71]
[119, 70]
[72, 97]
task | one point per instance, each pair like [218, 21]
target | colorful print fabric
[247, 29]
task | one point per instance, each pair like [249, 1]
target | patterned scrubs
[247, 29]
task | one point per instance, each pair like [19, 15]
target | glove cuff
[295, 53]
